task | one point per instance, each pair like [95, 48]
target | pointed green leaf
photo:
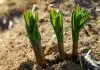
[31, 27]
[57, 23]
[79, 18]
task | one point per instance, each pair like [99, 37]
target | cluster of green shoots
[31, 20]
[79, 18]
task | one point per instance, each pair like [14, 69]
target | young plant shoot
[79, 18]
[57, 23]
[34, 36]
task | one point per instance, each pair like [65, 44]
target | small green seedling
[57, 23]
[34, 35]
[79, 18]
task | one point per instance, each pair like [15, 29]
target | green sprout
[32, 28]
[79, 18]
[57, 23]
[34, 35]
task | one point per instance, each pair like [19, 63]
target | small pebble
[10, 24]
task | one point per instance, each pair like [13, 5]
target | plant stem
[75, 50]
[40, 58]
[61, 50]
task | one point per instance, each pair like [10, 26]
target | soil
[16, 52]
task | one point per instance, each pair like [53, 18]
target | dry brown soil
[15, 49]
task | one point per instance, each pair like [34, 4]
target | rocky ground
[15, 49]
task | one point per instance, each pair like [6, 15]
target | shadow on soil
[6, 21]
[27, 65]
